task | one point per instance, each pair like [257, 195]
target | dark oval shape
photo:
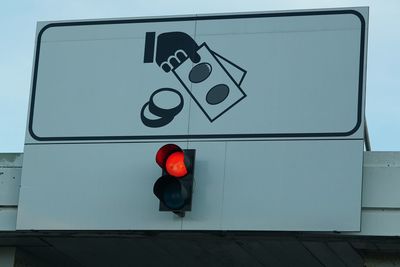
[200, 72]
[173, 197]
[217, 94]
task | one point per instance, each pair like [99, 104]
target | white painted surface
[381, 180]
[10, 182]
[92, 84]
[381, 204]
[302, 77]
[208, 187]
[293, 186]
[8, 218]
[380, 222]
[257, 185]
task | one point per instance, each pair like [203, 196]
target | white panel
[91, 186]
[208, 187]
[380, 222]
[381, 187]
[381, 181]
[264, 186]
[8, 218]
[10, 181]
[287, 75]
[380, 199]
[307, 186]
[10, 178]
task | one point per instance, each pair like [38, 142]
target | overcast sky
[18, 25]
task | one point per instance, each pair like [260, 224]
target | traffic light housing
[174, 188]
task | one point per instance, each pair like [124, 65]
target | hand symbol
[173, 48]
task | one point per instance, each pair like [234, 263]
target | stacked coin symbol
[156, 113]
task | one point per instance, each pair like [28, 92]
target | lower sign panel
[250, 185]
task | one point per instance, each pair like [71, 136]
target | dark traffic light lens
[170, 192]
[174, 196]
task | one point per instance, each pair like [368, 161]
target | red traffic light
[171, 158]
[174, 187]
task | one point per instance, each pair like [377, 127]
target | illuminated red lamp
[175, 164]
[171, 158]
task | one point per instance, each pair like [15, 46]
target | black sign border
[203, 136]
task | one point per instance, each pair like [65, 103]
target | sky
[18, 27]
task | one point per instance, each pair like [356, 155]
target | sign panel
[293, 74]
[273, 104]
[252, 185]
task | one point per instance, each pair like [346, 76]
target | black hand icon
[173, 48]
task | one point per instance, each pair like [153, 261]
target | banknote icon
[213, 82]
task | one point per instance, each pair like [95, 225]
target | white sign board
[258, 75]
[285, 87]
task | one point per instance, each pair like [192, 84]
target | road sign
[272, 103]
[262, 75]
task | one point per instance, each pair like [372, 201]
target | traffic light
[174, 187]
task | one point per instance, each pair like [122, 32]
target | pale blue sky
[18, 25]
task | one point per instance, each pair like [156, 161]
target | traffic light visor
[164, 152]
[171, 158]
